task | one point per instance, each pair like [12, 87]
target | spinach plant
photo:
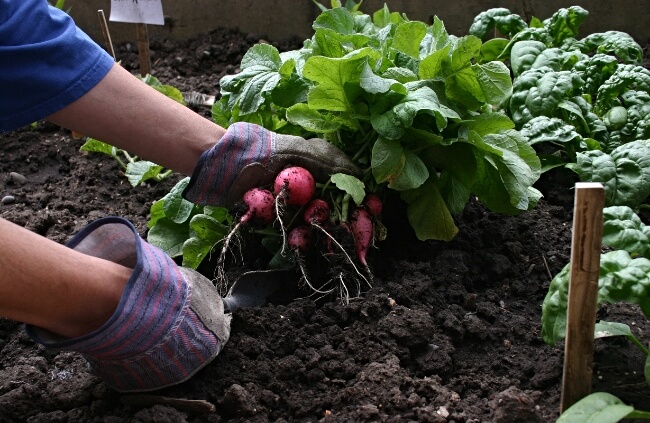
[624, 276]
[587, 97]
[601, 407]
[624, 272]
[137, 171]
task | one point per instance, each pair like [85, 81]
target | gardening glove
[169, 322]
[250, 156]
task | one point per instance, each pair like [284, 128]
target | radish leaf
[350, 185]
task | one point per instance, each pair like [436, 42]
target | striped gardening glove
[169, 322]
[250, 156]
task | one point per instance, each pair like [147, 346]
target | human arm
[58, 72]
[142, 322]
[123, 111]
[52, 69]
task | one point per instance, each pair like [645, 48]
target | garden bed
[450, 331]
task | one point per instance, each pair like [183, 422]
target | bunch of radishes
[308, 226]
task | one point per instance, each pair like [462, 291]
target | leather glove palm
[250, 156]
[169, 324]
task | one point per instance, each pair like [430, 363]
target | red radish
[373, 204]
[261, 206]
[296, 184]
[261, 209]
[317, 211]
[299, 241]
[362, 228]
[299, 238]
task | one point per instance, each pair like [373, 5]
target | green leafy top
[578, 94]
[498, 18]
[623, 276]
[616, 43]
[410, 103]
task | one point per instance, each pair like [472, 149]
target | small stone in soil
[8, 199]
[17, 178]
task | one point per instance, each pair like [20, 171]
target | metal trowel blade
[256, 288]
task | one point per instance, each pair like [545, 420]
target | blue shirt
[46, 62]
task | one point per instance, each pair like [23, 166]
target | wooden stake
[583, 292]
[107, 35]
[143, 49]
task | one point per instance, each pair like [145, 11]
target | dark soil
[450, 332]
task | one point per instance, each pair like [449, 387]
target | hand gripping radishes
[247, 158]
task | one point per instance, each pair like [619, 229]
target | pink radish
[362, 231]
[317, 214]
[296, 185]
[373, 204]
[317, 211]
[261, 209]
[299, 241]
[299, 238]
[261, 206]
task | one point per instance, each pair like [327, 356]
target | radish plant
[260, 210]
[260, 203]
[299, 239]
[415, 107]
[373, 204]
[295, 186]
[317, 212]
[362, 231]
[307, 228]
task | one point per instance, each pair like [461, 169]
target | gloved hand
[169, 323]
[250, 156]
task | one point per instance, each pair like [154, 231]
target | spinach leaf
[623, 276]
[625, 173]
[624, 78]
[498, 18]
[565, 23]
[540, 92]
[624, 230]
[619, 44]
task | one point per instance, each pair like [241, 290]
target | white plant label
[137, 11]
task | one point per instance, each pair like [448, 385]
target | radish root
[279, 212]
[347, 256]
[305, 279]
[220, 273]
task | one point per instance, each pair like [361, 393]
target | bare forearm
[124, 112]
[54, 287]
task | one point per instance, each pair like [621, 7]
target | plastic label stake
[141, 13]
[137, 11]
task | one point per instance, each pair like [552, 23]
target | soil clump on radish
[449, 331]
